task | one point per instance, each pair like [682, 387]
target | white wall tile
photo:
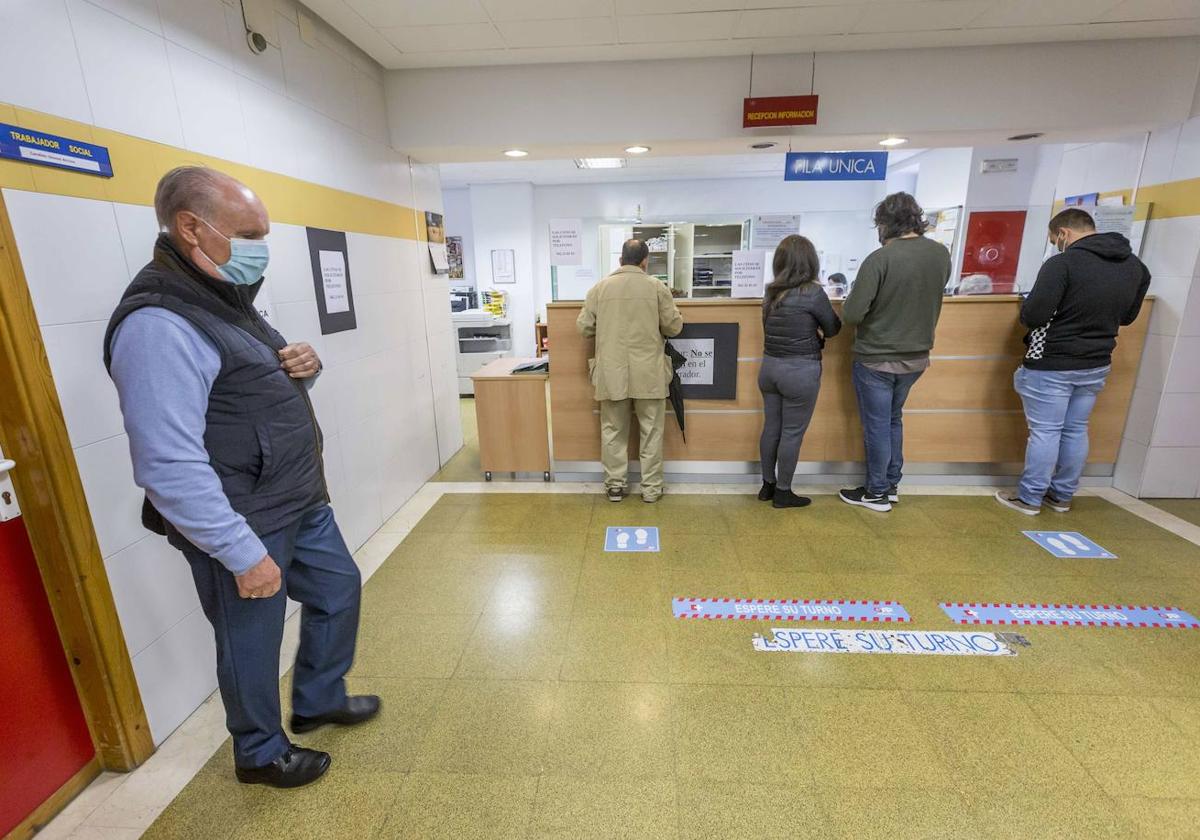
[371, 106]
[1178, 422]
[318, 76]
[326, 394]
[153, 588]
[139, 231]
[1156, 359]
[114, 501]
[1131, 462]
[128, 79]
[79, 283]
[273, 129]
[1171, 246]
[289, 276]
[177, 673]
[209, 105]
[266, 68]
[36, 37]
[197, 25]
[1184, 375]
[335, 472]
[361, 515]
[1171, 294]
[1143, 408]
[1189, 322]
[1171, 472]
[144, 13]
[1160, 154]
[88, 397]
[1187, 156]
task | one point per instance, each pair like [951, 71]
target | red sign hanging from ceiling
[762, 111]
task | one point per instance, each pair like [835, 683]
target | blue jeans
[1058, 404]
[881, 399]
[317, 571]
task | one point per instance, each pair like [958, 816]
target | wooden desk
[510, 410]
[963, 410]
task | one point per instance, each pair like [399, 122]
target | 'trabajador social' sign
[29, 146]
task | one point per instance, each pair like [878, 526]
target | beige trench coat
[629, 313]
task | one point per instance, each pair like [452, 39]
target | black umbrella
[676, 389]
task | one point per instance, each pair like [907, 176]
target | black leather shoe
[767, 493]
[358, 709]
[295, 768]
[788, 499]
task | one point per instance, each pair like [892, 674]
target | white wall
[179, 73]
[502, 219]
[458, 223]
[942, 177]
[459, 113]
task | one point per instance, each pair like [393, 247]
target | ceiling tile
[561, 33]
[1133, 10]
[387, 13]
[426, 39]
[696, 26]
[1043, 13]
[924, 16]
[654, 7]
[502, 10]
[790, 23]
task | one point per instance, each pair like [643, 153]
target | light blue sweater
[164, 369]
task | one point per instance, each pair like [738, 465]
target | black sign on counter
[711, 353]
[331, 278]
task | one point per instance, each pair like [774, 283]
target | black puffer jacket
[798, 326]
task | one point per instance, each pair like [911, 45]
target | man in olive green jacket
[629, 313]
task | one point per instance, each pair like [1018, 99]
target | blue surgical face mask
[248, 259]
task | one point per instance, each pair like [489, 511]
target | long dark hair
[897, 215]
[795, 265]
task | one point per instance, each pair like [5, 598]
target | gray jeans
[789, 387]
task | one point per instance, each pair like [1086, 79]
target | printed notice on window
[333, 276]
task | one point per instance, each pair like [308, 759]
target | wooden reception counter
[963, 410]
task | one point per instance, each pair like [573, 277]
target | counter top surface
[503, 369]
[962, 299]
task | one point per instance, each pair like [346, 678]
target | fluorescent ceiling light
[893, 141]
[636, 150]
[600, 163]
[516, 152]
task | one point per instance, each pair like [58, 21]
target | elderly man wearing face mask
[225, 444]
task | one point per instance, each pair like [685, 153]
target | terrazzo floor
[1186, 509]
[535, 686]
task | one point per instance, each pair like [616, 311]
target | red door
[42, 729]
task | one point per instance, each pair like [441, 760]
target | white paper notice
[700, 353]
[749, 274]
[504, 269]
[768, 231]
[566, 241]
[333, 275]
[437, 254]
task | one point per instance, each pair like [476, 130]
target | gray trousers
[789, 388]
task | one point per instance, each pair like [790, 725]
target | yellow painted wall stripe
[138, 164]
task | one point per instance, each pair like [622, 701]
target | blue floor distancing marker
[784, 609]
[1078, 615]
[631, 538]
[1069, 544]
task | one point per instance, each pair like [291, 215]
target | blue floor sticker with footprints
[1069, 544]
[631, 538]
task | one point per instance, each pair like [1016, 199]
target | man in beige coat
[629, 313]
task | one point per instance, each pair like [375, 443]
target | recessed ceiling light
[893, 141]
[600, 163]
[766, 144]
[1030, 136]
[516, 153]
[637, 150]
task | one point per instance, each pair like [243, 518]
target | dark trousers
[881, 399]
[319, 572]
[789, 389]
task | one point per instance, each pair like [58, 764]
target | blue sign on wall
[836, 166]
[29, 146]
[1069, 544]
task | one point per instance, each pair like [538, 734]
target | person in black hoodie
[1082, 296]
[797, 318]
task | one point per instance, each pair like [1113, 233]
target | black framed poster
[711, 353]
[331, 278]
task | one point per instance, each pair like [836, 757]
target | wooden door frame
[55, 511]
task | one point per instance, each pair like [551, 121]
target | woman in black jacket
[797, 318]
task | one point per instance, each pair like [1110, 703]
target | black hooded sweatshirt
[1081, 297]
